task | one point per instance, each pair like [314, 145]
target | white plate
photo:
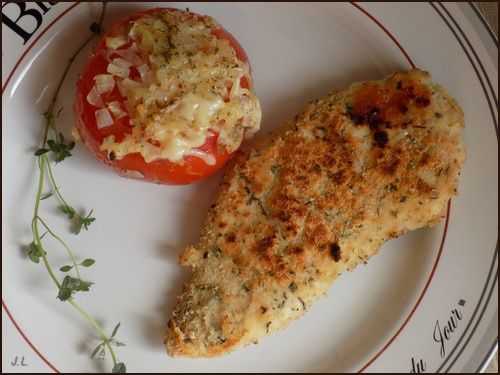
[381, 317]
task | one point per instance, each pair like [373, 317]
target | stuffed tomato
[166, 96]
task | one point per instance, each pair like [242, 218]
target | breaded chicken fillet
[356, 169]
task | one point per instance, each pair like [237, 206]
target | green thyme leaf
[119, 368]
[41, 151]
[64, 294]
[87, 262]
[68, 210]
[115, 330]
[53, 146]
[65, 268]
[82, 222]
[34, 252]
[33, 258]
[71, 285]
[96, 350]
[47, 195]
[60, 148]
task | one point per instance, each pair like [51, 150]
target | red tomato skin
[163, 171]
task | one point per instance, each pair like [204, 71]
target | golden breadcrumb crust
[356, 169]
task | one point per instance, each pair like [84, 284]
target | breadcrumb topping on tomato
[188, 84]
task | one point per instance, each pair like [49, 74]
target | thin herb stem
[50, 111]
[101, 17]
[34, 223]
[54, 184]
[97, 326]
[44, 167]
[41, 181]
[64, 244]
[48, 124]
[50, 271]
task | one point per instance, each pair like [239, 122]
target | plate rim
[494, 347]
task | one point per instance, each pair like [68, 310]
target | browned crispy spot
[335, 252]
[231, 237]
[296, 250]
[378, 105]
[381, 138]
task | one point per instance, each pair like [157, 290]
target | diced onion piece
[133, 174]
[127, 84]
[94, 98]
[143, 71]
[115, 42]
[209, 159]
[116, 110]
[235, 87]
[103, 118]
[75, 134]
[121, 88]
[104, 83]
[130, 56]
[118, 71]
[121, 62]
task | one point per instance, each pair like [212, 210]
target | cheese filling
[189, 86]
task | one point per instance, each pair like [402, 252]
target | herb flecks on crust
[358, 168]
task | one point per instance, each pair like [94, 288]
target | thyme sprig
[55, 147]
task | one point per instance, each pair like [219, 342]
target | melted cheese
[192, 89]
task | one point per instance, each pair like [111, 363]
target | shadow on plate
[190, 222]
